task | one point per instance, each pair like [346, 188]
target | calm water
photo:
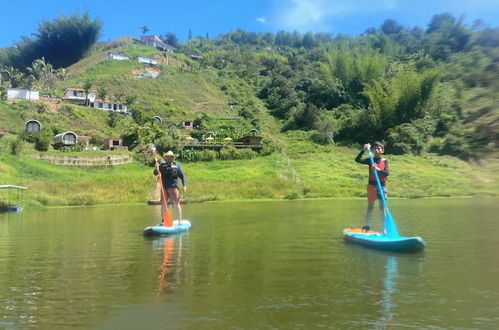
[249, 265]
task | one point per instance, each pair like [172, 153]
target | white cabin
[65, 139]
[22, 94]
[77, 95]
[117, 56]
[147, 60]
[109, 106]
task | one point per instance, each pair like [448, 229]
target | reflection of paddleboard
[178, 227]
[375, 240]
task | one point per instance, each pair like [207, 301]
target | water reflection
[171, 262]
[390, 288]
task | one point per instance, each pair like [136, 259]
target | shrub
[16, 146]
[403, 139]
[227, 153]
[207, 155]
[187, 155]
[76, 148]
[143, 154]
[44, 140]
[30, 136]
[246, 153]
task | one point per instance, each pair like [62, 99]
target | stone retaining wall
[84, 160]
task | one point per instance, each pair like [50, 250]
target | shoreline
[249, 201]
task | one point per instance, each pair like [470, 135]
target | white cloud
[315, 15]
[261, 19]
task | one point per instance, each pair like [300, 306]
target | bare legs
[369, 213]
[172, 195]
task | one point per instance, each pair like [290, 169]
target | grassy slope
[323, 172]
[177, 94]
[301, 169]
[332, 172]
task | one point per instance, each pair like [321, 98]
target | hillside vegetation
[430, 95]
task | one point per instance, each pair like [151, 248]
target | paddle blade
[390, 226]
[167, 218]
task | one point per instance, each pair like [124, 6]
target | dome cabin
[66, 139]
[33, 126]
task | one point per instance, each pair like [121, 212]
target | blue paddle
[390, 226]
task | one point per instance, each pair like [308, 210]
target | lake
[246, 265]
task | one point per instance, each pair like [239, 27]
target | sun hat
[169, 154]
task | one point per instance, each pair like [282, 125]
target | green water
[249, 265]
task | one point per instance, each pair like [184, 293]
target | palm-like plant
[144, 29]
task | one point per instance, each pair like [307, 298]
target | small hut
[188, 124]
[33, 126]
[115, 144]
[66, 139]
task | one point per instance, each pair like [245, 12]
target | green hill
[438, 120]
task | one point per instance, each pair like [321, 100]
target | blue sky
[214, 17]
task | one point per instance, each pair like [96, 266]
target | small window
[75, 93]
[101, 105]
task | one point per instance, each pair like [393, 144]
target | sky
[215, 17]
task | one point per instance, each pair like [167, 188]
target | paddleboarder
[171, 171]
[381, 167]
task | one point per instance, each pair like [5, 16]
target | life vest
[382, 178]
[170, 171]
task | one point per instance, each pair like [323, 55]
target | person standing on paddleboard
[381, 166]
[171, 171]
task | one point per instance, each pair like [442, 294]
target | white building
[156, 42]
[22, 94]
[109, 106]
[147, 60]
[147, 75]
[117, 56]
[78, 96]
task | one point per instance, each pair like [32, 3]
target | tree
[130, 99]
[390, 26]
[13, 76]
[171, 39]
[102, 93]
[440, 21]
[446, 35]
[144, 29]
[87, 84]
[61, 42]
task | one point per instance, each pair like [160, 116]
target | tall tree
[171, 39]
[61, 42]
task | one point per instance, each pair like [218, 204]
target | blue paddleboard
[375, 240]
[178, 227]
